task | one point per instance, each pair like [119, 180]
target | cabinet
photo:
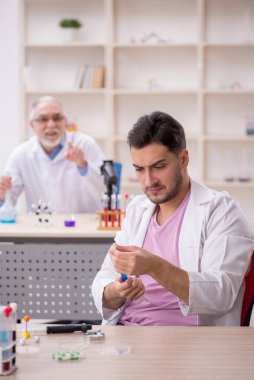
[191, 58]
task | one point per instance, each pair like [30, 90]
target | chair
[252, 318]
[248, 298]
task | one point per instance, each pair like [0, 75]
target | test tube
[126, 200]
[14, 319]
[8, 315]
[119, 204]
[2, 325]
[113, 205]
[105, 208]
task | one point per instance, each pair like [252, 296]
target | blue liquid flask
[7, 211]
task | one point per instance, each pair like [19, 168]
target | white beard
[50, 144]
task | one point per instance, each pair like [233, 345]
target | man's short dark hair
[157, 127]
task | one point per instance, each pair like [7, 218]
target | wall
[9, 78]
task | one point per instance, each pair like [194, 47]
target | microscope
[110, 179]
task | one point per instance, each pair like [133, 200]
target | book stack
[89, 76]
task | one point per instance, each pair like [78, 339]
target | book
[98, 77]
[79, 75]
[89, 76]
[87, 79]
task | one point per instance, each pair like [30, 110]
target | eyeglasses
[45, 119]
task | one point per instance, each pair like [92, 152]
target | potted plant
[69, 27]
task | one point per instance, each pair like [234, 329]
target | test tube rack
[8, 317]
[110, 220]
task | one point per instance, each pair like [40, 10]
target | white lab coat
[57, 181]
[215, 247]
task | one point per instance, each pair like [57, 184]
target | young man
[55, 166]
[184, 247]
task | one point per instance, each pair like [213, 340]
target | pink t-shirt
[158, 306]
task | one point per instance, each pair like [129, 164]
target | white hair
[43, 99]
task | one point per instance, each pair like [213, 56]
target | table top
[28, 226]
[156, 353]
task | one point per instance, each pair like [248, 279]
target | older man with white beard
[54, 165]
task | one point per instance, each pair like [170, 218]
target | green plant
[70, 23]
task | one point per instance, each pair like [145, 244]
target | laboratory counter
[27, 227]
[151, 352]
[48, 268]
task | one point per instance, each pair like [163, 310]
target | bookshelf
[191, 58]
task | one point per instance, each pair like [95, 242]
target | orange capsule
[26, 318]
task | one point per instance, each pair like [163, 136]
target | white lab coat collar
[199, 195]
[190, 235]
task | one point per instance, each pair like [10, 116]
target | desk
[163, 353]
[48, 270]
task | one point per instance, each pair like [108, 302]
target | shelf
[131, 185]
[229, 138]
[230, 185]
[229, 91]
[155, 20]
[213, 184]
[189, 137]
[88, 91]
[63, 45]
[153, 91]
[153, 46]
[227, 45]
[196, 65]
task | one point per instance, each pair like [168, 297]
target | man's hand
[132, 288]
[116, 293]
[76, 155]
[132, 260]
[5, 185]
